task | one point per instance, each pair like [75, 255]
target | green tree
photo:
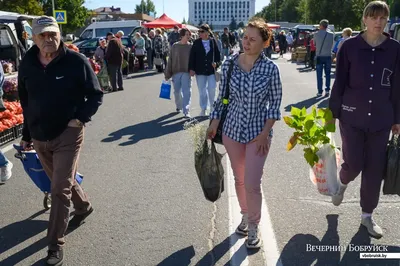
[77, 14]
[201, 22]
[395, 8]
[233, 25]
[146, 7]
[184, 21]
[241, 25]
[31, 7]
[288, 10]
[211, 26]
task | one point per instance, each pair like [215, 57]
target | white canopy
[190, 27]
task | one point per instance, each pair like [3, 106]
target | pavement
[138, 167]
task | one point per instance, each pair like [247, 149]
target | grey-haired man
[59, 93]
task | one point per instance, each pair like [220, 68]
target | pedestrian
[174, 36]
[59, 93]
[282, 43]
[5, 165]
[100, 52]
[312, 52]
[289, 41]
[150, 50]
[114, 59]
[219, 43]
[324, 40]
[140, 50]
[256, 91]
[159, 51]
[347, 32]
[109, 37]
[204, 60]
[226, 45]
[178, 69]
[366, 101]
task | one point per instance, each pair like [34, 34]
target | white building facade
[219, 13]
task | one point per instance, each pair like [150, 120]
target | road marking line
[270, 246]
[235, 218]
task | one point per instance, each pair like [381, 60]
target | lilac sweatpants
[248, 169]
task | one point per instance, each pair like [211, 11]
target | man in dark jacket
[114, 58]
[174, 36]
[59, 94]
[205, 58]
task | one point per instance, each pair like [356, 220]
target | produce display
[95, 66]
[8, 66]
[10, 89]
[12, 116]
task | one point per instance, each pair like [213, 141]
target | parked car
[12, 26]
[88, 47]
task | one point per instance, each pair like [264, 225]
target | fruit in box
[12, 116]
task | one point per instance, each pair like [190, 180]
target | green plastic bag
[208, 164]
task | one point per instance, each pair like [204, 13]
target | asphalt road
[149, 209]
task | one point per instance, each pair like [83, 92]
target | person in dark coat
[205, 58]
[282, 43]
[366, 100]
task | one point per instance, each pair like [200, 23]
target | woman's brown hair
[182, 32]
[376, 8]
[262, 27]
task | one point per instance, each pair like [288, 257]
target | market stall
[11, 118]
[163, 22]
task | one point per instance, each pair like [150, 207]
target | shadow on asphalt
[308, 103]
[295, 252]
[181, 257]
[149, 130]
[14, 234]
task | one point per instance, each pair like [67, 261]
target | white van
[101, 28]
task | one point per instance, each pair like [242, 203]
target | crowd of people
[366, 103]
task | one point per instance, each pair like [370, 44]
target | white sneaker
[6, 172]
[243, 228]
[373, 229]
[338, 198]
[253, 240]
[187, 115]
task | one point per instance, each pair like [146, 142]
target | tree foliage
[233, 25]
[31, 7]
[241, 25]
[146, 7]
[184, 21]
[341, 13]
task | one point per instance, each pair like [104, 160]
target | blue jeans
[183, 91]
[325, 62]
[226, 52]
[3, 159]
[206, 86]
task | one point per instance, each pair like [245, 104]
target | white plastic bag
[324, 174]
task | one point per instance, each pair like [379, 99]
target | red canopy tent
[163, 22]
[273, 26]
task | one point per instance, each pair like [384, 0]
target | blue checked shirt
[254, 98]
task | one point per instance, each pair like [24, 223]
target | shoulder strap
[326, 33]
[225, 100]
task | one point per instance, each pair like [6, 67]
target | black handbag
[225, 100]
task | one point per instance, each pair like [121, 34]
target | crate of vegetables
[18, 130]
[6, 136]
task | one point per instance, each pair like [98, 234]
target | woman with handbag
[366, 101]
[204, 60]
[139, 49]
[253, 105]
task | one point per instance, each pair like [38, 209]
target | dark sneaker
[327, 93]
[78, 219]
[55, 257]
[243, 229]
[253, 240]
[319, 94]
[120, 89]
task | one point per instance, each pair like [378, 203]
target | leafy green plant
[310, 130]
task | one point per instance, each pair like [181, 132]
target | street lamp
[53, 7]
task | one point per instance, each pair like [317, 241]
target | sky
[175, 9]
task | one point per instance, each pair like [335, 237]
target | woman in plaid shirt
[254, 106]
